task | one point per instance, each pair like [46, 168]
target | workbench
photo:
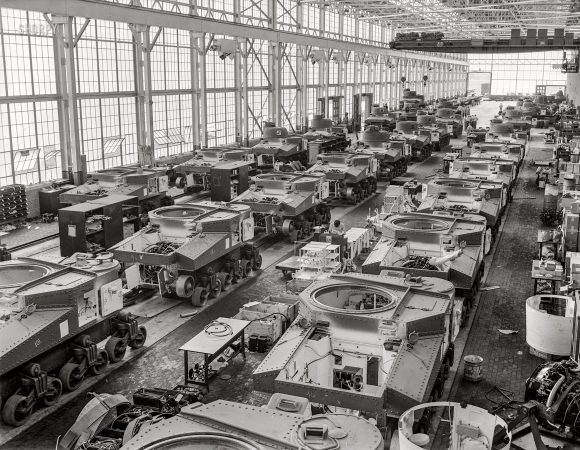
[217, 337]
[553, 276]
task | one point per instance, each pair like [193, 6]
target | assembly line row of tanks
[433, 239]
[388, 363]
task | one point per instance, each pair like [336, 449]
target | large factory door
[361, 109]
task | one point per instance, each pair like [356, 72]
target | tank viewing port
[354, 298]
[418, 223]
[450, 182]
[178, 212]
[275, 177]
[16, 275]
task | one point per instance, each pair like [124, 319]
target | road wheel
[101, 364]
[225, 279]
[54, 385]
[32, 369]
[71, 376]
[199, 297]
[83, 340]
[140, 339]
[217, 289]
[116, 348]
[246, 268]
[15, 412]
[258, 261]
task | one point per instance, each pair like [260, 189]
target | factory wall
[184, 89]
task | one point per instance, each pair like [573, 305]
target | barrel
[569, 182]
[473, 368]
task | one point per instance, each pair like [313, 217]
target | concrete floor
[159, 364]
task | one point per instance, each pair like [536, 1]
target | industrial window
[26, 161]
[168, 137]
[112, 146]
[51, 155]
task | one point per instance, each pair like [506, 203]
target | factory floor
[507, 362]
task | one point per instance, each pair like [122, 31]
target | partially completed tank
[530, 109]
[412, 96]
[287, 203]
[391, 160]
[53, 315]
[437, 245]
[381, 118]
[497, 150]
[194, 175]
[419, 142]
[192, 251]
[454, 122]
[440, 136]
[148, 185]
[278, 149]
[374, 343]
[505, 132]
[351, 176]
[483, 198]
[519, 120]
[488, 169]
[322, 138]
[160, 418]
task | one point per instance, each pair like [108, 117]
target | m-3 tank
[285, 423]
[321, 137]
[440, 136]
[381, 119]
[292, 204]
[504, 132]
[391, 160]
[420, 144]
[53, 315]
[519, 120]
[482, 198]
[366, 343]
[148, 185]
[433, 245]
[485, 169]
[195, 175]
[279, 151]
[351, 176]
[454, 122]
[192, 251]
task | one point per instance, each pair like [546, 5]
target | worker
[500, 108]
[337, 228]
[469, 128]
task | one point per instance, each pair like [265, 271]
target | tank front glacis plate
[409, 240]
[485, 198]
[337, 331]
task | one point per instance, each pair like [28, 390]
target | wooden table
[212, 342]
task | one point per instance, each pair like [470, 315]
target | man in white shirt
[337, 228]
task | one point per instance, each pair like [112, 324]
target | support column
[238, 75]
[203, 91]
[68, 103]
[246, 100]
[194, 50]
[275, 93]
[145, 137]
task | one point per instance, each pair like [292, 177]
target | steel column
[69, 104]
